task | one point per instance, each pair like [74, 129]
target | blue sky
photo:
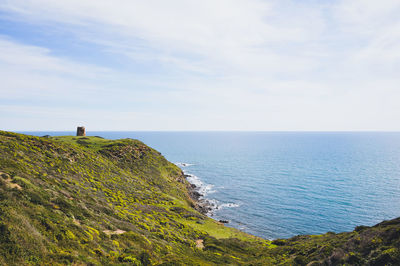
[200, 65]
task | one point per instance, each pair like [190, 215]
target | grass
[91, 201]
[219, 230]
[90, 142]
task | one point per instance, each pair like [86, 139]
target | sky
[257, 65]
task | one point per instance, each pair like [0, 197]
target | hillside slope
[92, 201]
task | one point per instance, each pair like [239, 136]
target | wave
[217, 206]
[229, 205]
[204, 190]
[183, 164]
[201, 187]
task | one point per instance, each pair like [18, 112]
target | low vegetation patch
[92, 201]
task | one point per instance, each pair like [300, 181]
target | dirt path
[116, 232]
[199, 243]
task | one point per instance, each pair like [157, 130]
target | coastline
[69, 213]
[202, 205]
[198, 192]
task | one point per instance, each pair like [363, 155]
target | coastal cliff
[92, 201]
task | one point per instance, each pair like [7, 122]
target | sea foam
[205, 189]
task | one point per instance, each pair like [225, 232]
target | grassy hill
[91, 201]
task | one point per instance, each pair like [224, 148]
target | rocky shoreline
[202, 205]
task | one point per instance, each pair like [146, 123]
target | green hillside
[91, 201]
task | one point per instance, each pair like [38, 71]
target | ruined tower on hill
[81, 131]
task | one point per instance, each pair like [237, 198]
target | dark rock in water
[223, 221]
[201, 205]
[194, 194]
[197, 194]
[204, 206]
[186, 175]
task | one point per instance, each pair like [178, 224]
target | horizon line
[244, 131]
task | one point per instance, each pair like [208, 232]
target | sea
[281, 184]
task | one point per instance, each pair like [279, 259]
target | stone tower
[81, 131]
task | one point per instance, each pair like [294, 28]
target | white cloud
[227, 64]
[27, 70]
[366, 17]
[235, 35]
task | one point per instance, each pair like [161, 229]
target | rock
[201, 205]
[224, 221]
[196, 194]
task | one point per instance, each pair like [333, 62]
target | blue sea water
[281, 184]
